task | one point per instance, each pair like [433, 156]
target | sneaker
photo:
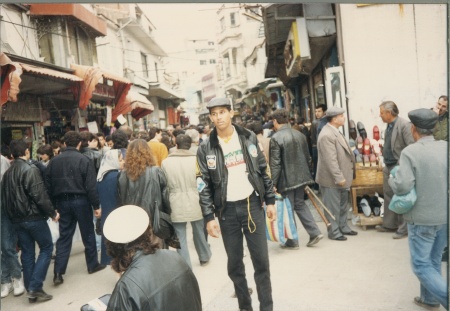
[314, 240]
[19, 289]
[365, 207]
[6, 289]
[419, 301]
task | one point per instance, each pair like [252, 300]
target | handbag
[402, 204]
[283, 227]
[163, 228]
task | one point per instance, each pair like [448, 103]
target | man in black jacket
[72, 181]
[28, 206]
[289, 163]
[233, 184]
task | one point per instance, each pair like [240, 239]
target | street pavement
[368, 272]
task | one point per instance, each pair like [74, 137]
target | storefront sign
[16, 134]
[297, 46]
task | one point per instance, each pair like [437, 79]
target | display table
[368, 181]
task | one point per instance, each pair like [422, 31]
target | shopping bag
[402, 204]
[283, 227]
[54, 229]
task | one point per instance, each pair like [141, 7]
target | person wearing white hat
[151, 278]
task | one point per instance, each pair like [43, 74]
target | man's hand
[56, 218]
[342, 183]
[98, 213]
[271, 212]
[213, 228]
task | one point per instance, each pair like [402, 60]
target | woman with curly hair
[144, 184]
[144, 268]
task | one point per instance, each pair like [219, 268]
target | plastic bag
[283, 227]
[54, 229]
[402, 204]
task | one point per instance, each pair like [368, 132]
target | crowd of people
[218, 180]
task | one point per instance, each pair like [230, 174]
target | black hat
[218, 102]
[423, 118]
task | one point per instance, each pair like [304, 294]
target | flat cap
[423, 118]
[334, 111]
[218, 102]
[125, 224]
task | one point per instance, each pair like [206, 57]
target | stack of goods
[367, 151]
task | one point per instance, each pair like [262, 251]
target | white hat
[125, 224]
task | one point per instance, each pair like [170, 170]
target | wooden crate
[368, 176]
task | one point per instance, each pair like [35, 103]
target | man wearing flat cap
[233, 185]
[423, 165]
[335, 172]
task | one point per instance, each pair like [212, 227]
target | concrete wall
[393, 52]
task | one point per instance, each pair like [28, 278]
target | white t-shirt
[239, 187]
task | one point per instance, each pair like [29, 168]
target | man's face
[340, 120]
[221, 117]
[93, 144]
[207, 129]
[101, 140]
[319, 113]
[110, 144]
[385, 115]
[441, 106]
[56, 151]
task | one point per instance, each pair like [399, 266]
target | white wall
[393, 52]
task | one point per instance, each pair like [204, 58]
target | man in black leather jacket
[233, 183]
[289, 164]
[28, 206]
[72, 184]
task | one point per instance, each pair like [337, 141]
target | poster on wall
[16, 134]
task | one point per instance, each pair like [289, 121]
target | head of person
[388, 111]
[207, 128]
[220, 113]
[194, 135]
[170, 129]
[320, 111]
[280, 117]
[139, 157]
[56, 146]
[101, 140]
[301, 121]
[143, 135]
[86, 138]
[119, 140]
[127, 130]
[127, 230]
[94, 143]
[109, 142]
[72, 139]
[45, 152]
[155, 133]
[257, 127]
[183, 142]
[292, 121]
[423, 122]
[335, 116]
[19, 149]
[442, 105]
[177, 132]
[112, 160]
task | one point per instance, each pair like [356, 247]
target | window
[202, 62]
[212, 61]
[233, 19]
[144, 65]
[210, 43]
[222, 24]
[226, 66]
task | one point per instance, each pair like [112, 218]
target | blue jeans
[30, 233]
[234, 224]
[200, 243]
[73, 211]
[10, 263]
[426, 244]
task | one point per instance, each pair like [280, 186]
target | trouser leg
[200, 243]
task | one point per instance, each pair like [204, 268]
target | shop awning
[9, 81]
[137, 104]
[91, 77]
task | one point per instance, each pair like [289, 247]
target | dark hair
[257, 127]
[281, 115]
[177, 132]
[444, 97]
[6, 152]
[100, 134]
[153, 131]
[301, 121]
[56, 144]
[122, 254]
[183, 141]
[120, 139]
[322, 106]
[86, 137]
[46, 149]
[72, 139]
[165, 139]
[18, 148]
[143, 135]
[108, 138]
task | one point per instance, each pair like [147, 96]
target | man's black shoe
[340, 238]
[350, 233]
[38, 294]
[97, 268]
[58, 279]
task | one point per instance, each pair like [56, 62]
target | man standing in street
[397, 136]
[28, 206]
[179, 168]
[72, 184]
[440, 131]
[320, 114]
[424, 165]
[159, 150]
[289, 165]
[335, 172]
[233, 184]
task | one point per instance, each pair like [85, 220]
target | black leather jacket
[159, 282]
[24, 195]
[212, 182]
[289, 159]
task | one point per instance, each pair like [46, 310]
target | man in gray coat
[397, 137]
[335, 172]
[289, 164]
[424, 165]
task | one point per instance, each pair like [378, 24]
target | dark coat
[160, 281]
[289, 159]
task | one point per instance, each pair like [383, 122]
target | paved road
[369, 272]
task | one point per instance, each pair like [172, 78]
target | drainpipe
[340, 46]
[122, 39]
